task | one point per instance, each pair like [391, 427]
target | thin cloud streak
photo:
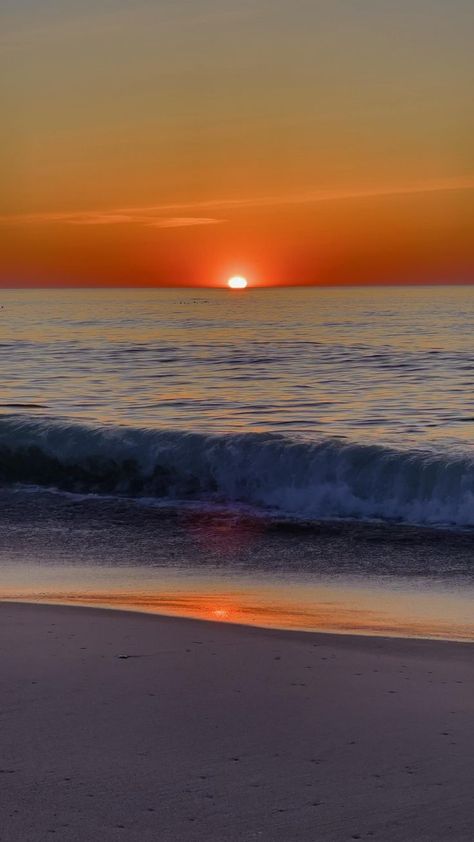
[117, 218]
[184, 222]
[150, 215]
[136, 216]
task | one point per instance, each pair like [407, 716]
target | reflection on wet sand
[257, 609]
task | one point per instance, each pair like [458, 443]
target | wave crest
[325, 478]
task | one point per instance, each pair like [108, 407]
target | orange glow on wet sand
[343, 615]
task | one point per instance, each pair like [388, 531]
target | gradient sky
[162, 142]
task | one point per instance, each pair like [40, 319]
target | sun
[237, 282]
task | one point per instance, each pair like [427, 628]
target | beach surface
[116, 725]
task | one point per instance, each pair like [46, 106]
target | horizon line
[251, 287]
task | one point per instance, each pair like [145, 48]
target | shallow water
[221, 565]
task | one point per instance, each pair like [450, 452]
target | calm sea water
[394, 366]
[271, 452]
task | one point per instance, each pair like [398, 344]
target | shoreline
[119, 724]
[137, 610]
[347, 580]
[327, 636]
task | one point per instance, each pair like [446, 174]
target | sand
[121, 726]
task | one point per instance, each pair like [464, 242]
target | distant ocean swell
[324, 478]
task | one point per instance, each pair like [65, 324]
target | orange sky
[162, 143]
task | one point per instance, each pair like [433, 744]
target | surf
[319, 478]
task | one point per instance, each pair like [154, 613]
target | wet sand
[117, 725]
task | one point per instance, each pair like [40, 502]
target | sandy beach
[117, 725]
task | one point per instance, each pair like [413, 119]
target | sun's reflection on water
[333, 612]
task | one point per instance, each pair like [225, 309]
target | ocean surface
[295, 457]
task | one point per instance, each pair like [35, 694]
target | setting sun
[237, 282]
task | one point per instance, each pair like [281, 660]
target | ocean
[300, 457]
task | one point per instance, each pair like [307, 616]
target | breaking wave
[323, 478]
